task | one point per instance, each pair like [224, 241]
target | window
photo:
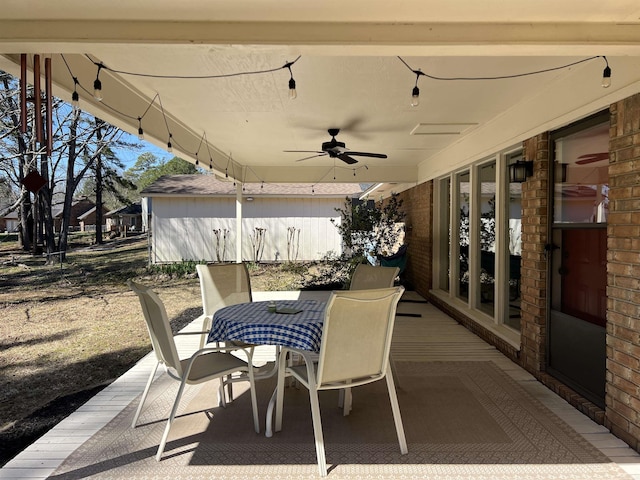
[463, 209]
[478, 244]
[581, 172]
[487, 240]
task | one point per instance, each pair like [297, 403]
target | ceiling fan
[336, 149]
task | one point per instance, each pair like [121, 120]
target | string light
[140, 131]
[97, 84]
[415, 93]
[292, 83]
[606, 75]
[293, 94]
[75, 98]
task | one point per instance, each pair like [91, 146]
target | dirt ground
[69, 329]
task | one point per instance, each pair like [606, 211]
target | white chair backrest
[158, 325]
[222, 285]
[356, 335]
[367, 276]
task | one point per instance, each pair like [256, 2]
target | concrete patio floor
[434, 337]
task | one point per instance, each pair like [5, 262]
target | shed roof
[209, 185]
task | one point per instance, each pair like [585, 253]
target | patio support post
[238, 222]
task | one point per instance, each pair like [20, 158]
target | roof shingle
[208, 185]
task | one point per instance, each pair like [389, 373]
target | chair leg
[395, 408]
[144, 395]
[347, 401]
[394, 371]
[317, 421]
[172, 416]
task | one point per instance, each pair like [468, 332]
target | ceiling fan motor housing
[326, 146]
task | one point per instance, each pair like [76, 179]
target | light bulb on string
[293, 94]
[140, 131]
[97, 85]
[606, 75]
[415, 97]
[75, 98]
[415, 93]
[197, 160]
[169, 146]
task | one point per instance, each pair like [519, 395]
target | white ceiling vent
[441, 128]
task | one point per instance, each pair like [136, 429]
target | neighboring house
[125, 219]
[88, 219]
[78, 208]
[9, 223]
[193, 217]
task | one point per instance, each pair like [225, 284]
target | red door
[584, 274]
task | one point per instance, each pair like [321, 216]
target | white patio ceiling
[348, 75]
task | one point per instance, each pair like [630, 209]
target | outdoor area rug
[462, 420]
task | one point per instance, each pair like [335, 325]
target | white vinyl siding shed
[183, 224]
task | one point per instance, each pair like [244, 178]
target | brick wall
[417, 204]
[533, 282]
[622, 414]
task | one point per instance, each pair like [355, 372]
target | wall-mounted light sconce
[249, 199]
[520, 171]
[560, 172]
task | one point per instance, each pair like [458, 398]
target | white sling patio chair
[356, 338]
[205, 364]
[366, 277]
[221, 285]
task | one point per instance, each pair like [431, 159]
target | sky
[129, 156]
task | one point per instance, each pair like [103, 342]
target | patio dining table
[253, 323]
[294, 324]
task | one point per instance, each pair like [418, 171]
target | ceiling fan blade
[367, 154]
[346, 158]
[312, 156]
[302, 151]
[592, 157]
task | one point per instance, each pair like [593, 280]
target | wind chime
[33, 181]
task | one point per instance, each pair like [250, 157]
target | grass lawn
[68, 330]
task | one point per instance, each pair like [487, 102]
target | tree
[78, 139]
[367, 229]
[370, 228]
[148, 168]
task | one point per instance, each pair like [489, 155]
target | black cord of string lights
[420, 73]
[171, 140]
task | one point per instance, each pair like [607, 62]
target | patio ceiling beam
[461, 38]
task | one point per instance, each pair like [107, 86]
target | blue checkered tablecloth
[253, 323]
